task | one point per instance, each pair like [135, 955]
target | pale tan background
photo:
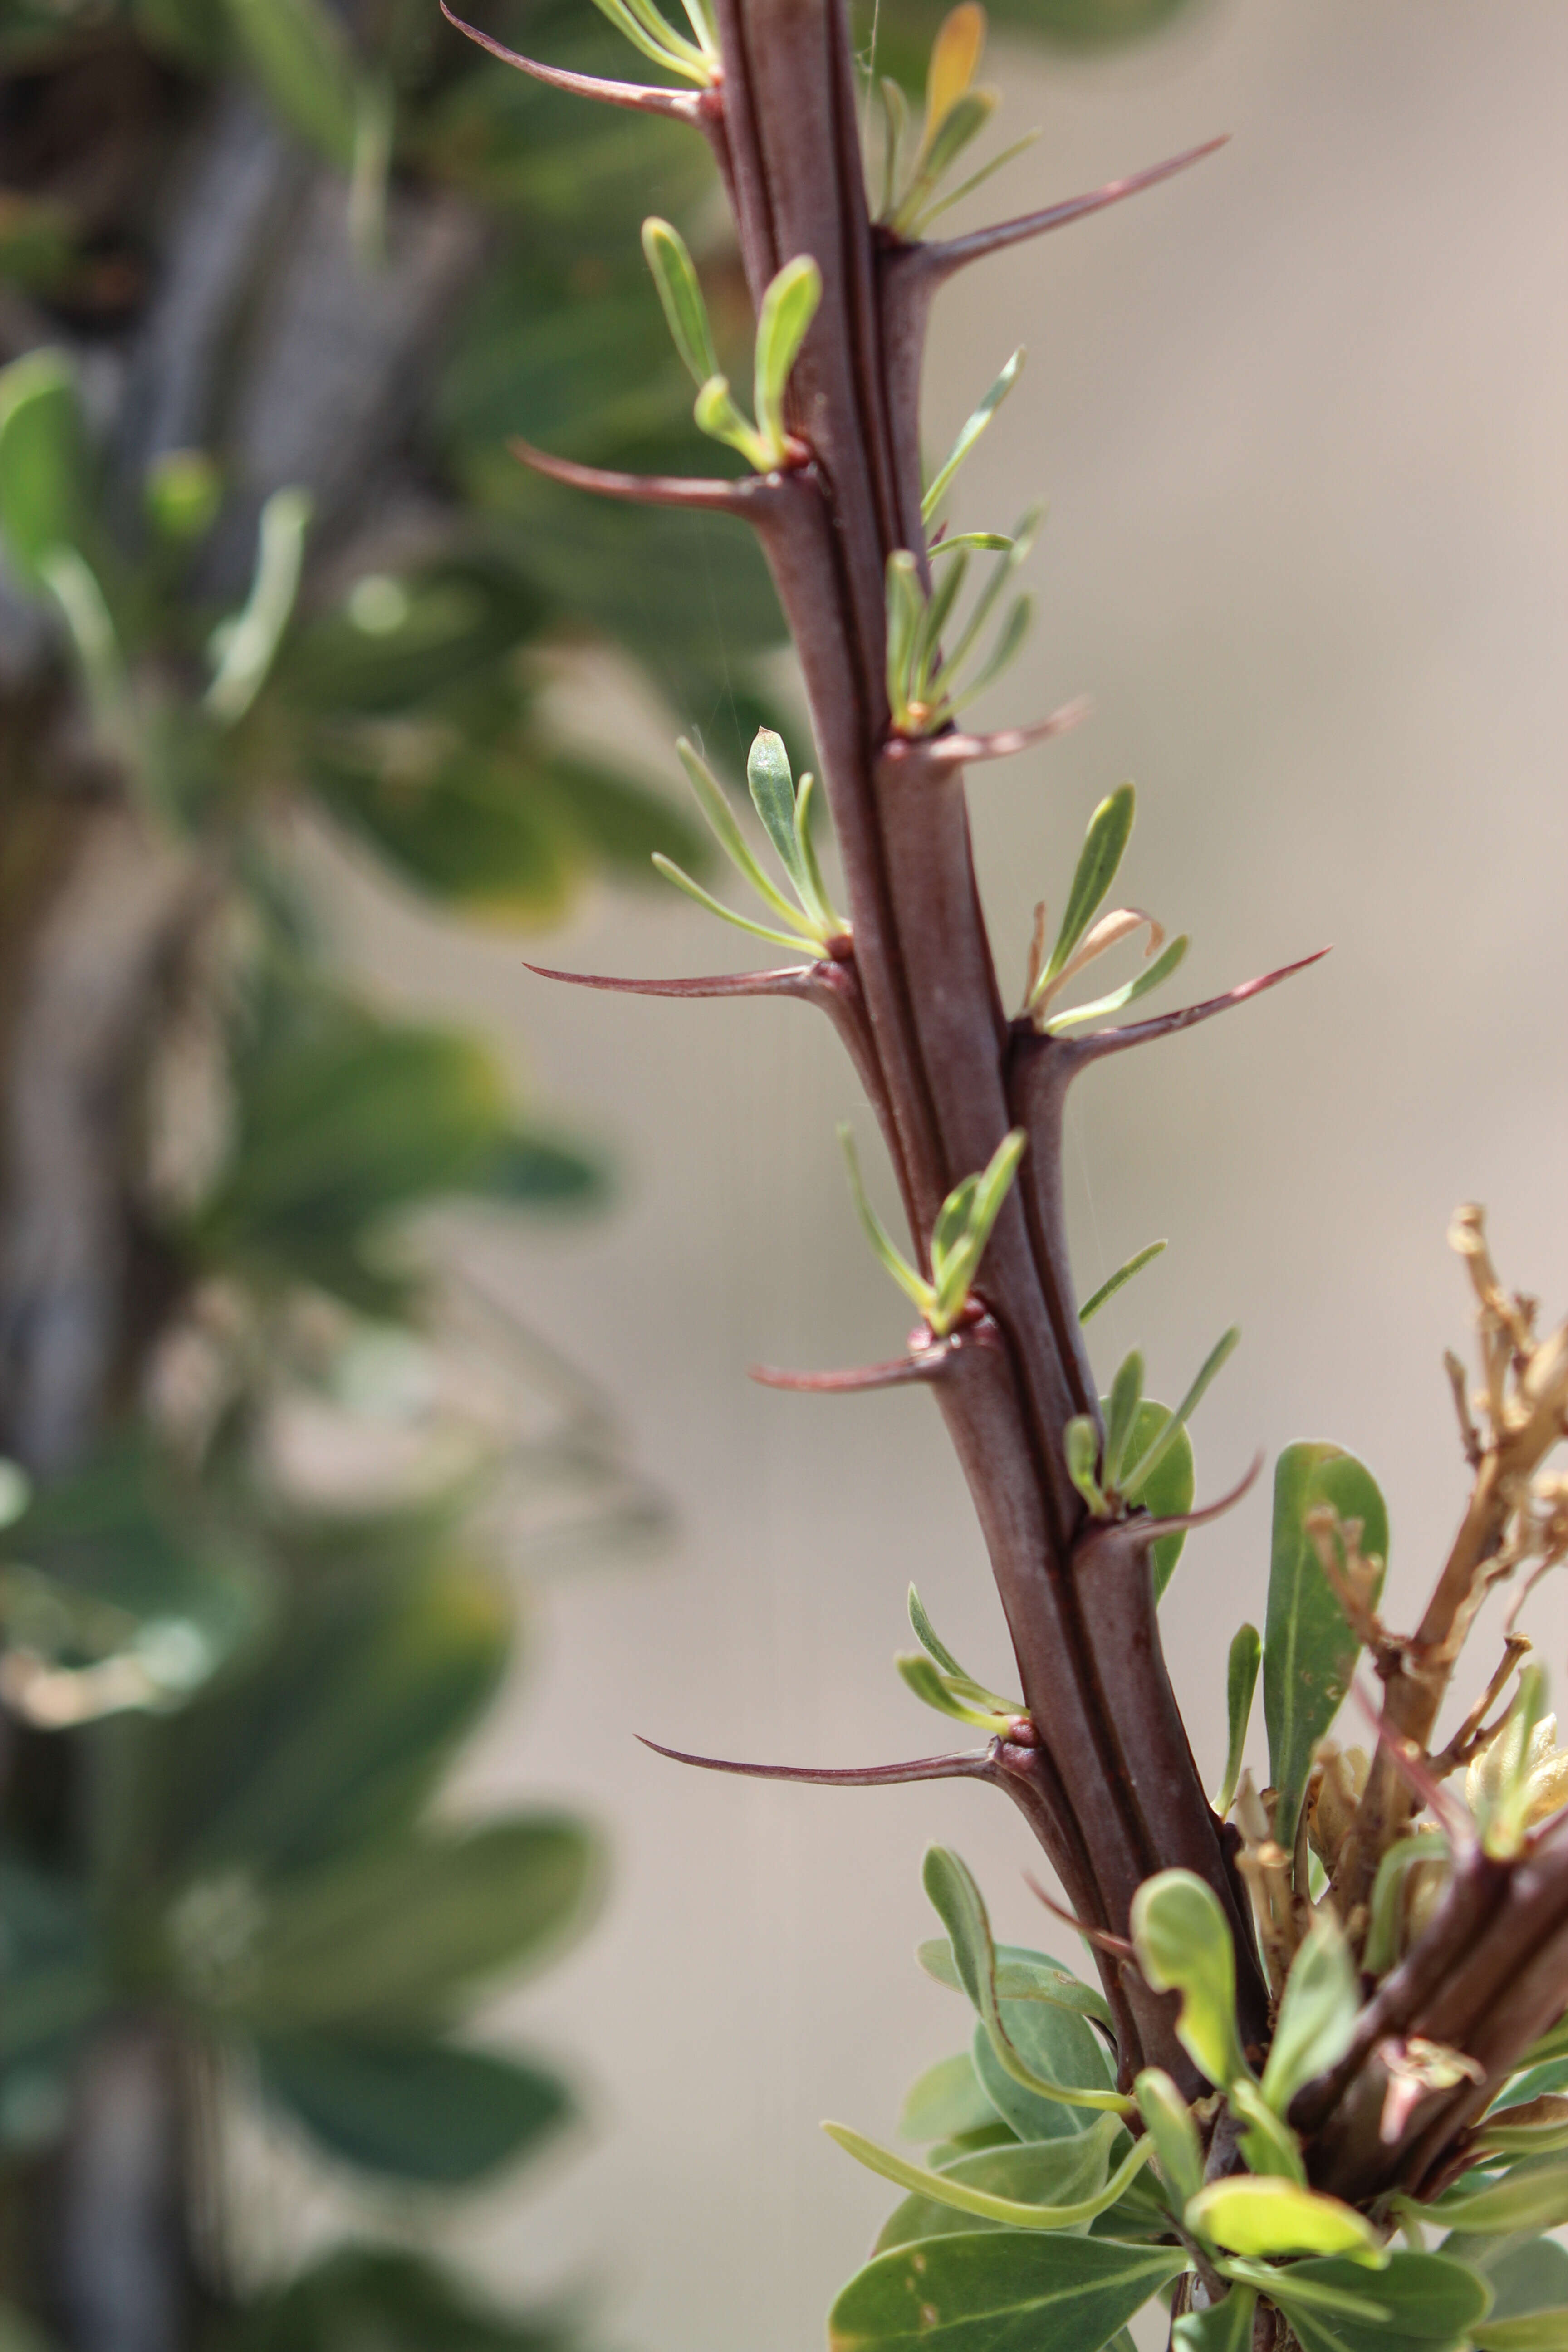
[1303, 418]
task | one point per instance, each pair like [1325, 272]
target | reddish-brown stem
[922, 961]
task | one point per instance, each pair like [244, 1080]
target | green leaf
[414, 2111]
[647, 30]
[972, 1208]
[963, 2197]
[1416, 2300]
[1081, 1447]
[726, 831]
[979, 2291]
[1081, 2082]
[978, 179]
[342, 1121]
[1530, 2196]
[926, 1635]
[1530, 2278]
[343, 1733]
[1104, 847]
[1385, 1926]
[1240, 1683]
[963, 122]
[1535, 2331]
[95, 641]
[1258, 2216]
[1184, 1943]
[1021, 1975]
[297, 50]
[784, 319]
[1225, 2327]
[1268, 2145]
[1168, 2120]
[718, 416]
[251, 640]
[1553, 2044]
[129, 1560]
[1008, 645]
[43, 462]
[945, 2102]
[935, 1690]
[1123, 1273]
[1136, 1477]
[914, 1287]
[814, 896]
[970, 542]
[771, 787]
[1168, 1491]
[1018, 547]
[1318, 2011]
[1536, 2126]
[1048, 2172]
[680, 293]
[962, 1683]
[1309, 1651]
[1058, 2049]
[395, 1938]
[705, 899]
[1152, 975]
[1121, 1410]
[970, 433]
[934, 620]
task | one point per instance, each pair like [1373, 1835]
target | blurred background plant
[276, 282]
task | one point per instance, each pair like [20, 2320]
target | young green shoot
[941, 480]
[1082, 939]
[1124, 1275]
[958, 1240]
[935, 1676]
[696, 60]
[928, 685]
[812, 922]
[955, 114]
[788, 307]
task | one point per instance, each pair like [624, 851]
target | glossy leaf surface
[999, 2291]
[1309, 1651]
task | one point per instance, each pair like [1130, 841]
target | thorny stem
[1112, 1792]
[1105, 1778]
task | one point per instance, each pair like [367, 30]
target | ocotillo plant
[1328, 2012]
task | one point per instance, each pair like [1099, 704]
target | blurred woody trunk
[260, 332]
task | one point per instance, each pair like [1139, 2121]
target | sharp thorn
[793, 980]
[1154, 1528]
[970, 1764]
[750, 497]
[1101, 1936]
[965, 751]
[940, 259]
[1091, 1046]
[899, 1373]
[1412, 1769]
[685, 105]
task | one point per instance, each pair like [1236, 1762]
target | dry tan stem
[1527, 1402]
